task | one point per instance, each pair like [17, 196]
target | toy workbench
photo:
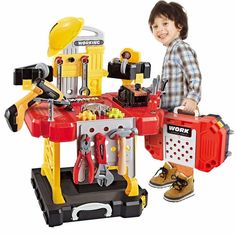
[101, 182]
[62, 200]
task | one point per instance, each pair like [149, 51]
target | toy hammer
[121, 135]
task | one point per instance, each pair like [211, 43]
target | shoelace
[164, 172]
[179, 184]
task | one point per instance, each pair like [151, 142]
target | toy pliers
[84, 153]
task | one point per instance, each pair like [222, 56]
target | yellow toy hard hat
[63, 33]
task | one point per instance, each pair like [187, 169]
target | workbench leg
[51, 169]
[132, 188]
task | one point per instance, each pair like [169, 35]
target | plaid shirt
[180, 68]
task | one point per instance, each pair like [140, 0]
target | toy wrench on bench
[84, 154]
[103, 175]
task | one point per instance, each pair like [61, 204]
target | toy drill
[40, 88]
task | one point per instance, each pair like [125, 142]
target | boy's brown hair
[172, 11]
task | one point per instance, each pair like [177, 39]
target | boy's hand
[189, 105]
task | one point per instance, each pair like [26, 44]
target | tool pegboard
[104, 126]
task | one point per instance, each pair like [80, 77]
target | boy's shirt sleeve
[188, 61]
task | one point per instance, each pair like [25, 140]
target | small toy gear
[86, 115]
[115, 113]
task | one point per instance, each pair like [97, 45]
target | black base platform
[86, 201]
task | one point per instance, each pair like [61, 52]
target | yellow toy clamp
[131, 55]
[63, 33]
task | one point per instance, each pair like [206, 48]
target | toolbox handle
[196, 112]
[91, 206]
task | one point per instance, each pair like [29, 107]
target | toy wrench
[84, 153]
[84, 90]
[103, 175]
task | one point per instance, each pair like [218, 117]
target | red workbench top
[64, 126]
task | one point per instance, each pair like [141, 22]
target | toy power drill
[40, 88]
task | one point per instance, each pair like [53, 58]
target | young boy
[169, 25]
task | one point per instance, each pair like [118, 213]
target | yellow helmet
[63, 33]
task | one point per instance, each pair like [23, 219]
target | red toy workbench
[59, 197]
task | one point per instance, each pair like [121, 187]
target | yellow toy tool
[129, 67]
[41, 88]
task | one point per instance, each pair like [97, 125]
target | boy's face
[164, 30]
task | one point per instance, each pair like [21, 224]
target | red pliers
[84, 152]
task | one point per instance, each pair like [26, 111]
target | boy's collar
[173, 42]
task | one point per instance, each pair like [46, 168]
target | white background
[24, 40]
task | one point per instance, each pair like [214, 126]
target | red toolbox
[195, 141]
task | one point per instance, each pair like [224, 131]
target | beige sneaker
[165, 178]
[181, 189]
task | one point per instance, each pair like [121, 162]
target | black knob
[137, 87]
[71, 59]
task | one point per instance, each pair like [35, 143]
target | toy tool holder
[195, 141]
[71, 66]
[104, 126]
